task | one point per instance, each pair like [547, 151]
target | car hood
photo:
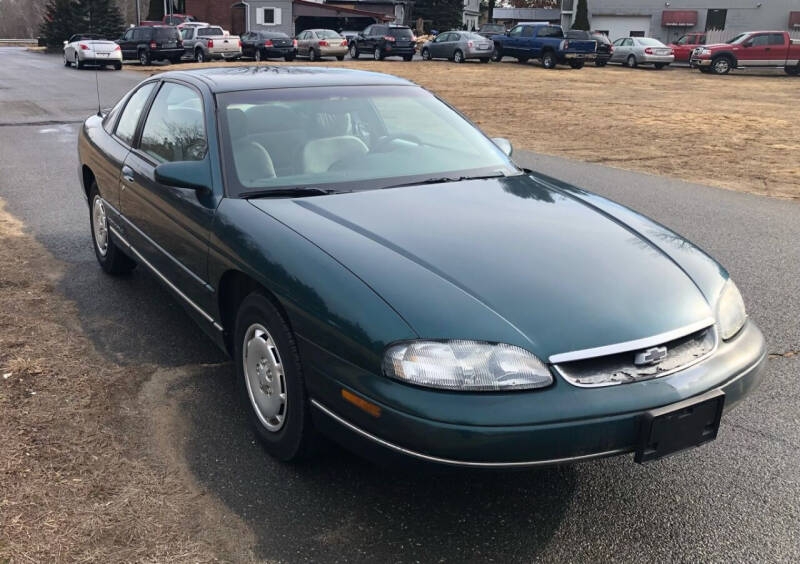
[505, 260]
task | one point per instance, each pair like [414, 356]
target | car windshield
[495, 28]
[210, 31]
[400, 32]
[348, 138]
[327, 34]
[476, 37]
[649, 41]
[738, 39]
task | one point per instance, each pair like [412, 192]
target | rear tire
[549, 60]
[313, 55]
[497, 54]
[792, 71]
[108, 254]
[270, 379]
[630, 62]
[340, 57]
[458, 56]
[660, 66]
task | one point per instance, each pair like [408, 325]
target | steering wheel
[382, 143]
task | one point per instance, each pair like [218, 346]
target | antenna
[97, 85]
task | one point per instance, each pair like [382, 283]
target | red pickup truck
[683, 47]
[753, 49]
[170, 19]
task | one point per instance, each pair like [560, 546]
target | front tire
[792, 71]
[199, 56]
[144, 58]
[721, 65]
[426, 55]
[110, 257]
[631, 62]
[271, 380]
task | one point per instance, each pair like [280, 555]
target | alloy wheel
[264, 377]
[258, 55]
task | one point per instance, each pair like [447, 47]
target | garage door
[621, 26]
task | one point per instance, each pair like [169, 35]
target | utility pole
[138, 14]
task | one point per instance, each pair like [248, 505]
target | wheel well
[88, 178]
[727, 55]
[233, 288]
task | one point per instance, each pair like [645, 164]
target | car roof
[233, 79]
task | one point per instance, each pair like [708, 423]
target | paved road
[737, 499]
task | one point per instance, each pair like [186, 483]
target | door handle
[127, 173]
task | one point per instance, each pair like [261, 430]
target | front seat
[319, 154]
[253, 163]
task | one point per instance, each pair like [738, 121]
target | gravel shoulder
[736, 132]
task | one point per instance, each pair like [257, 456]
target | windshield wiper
[444, 179]
[295, 192]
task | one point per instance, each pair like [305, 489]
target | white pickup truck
[209, 43]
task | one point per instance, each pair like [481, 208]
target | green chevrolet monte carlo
[383, 273]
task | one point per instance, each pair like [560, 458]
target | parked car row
[535, 40]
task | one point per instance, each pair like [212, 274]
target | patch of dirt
[738, 131]
[91, 466]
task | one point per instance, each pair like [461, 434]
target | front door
[511, 44]
[127, 45]
[170, 226]
[755, 51]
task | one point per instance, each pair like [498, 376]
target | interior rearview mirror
[504, 144]
[195, 175]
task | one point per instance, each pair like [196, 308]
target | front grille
[620, 368]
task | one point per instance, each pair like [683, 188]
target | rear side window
[126, 127]
[174, 129]
[775, 39]
[550, 31]
[400, 32]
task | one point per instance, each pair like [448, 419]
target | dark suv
[152, 43]
[383, 40]
[604, 47]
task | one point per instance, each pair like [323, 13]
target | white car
[88, 49]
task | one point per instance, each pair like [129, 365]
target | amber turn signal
[361, 403]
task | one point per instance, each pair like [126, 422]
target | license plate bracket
[679, 426]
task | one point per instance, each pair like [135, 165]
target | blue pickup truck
[545, 42]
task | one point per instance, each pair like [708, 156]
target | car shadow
[340, 507]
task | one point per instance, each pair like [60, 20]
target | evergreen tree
[581, 16]
[60, 22]
[101, 17]
[443, 14]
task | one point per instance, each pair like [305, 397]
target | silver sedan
[635, 51]
[89, 49]
[458, 46]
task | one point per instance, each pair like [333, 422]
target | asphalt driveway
[733, 500]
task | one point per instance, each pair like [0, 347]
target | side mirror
[66, 43]
[747, 44]
[504, 144]
[194, 175]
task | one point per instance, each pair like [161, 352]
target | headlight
[731, 314]
[705, 51]
[465, 365]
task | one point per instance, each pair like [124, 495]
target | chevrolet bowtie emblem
[650, 356]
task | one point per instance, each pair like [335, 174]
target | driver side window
[174, 129]
[516, 32]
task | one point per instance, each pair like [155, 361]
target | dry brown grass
[88, 469]
[740, 132]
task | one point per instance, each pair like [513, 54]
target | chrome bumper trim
[451, 462]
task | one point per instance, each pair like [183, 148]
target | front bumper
[400, 436]
[694, 63]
